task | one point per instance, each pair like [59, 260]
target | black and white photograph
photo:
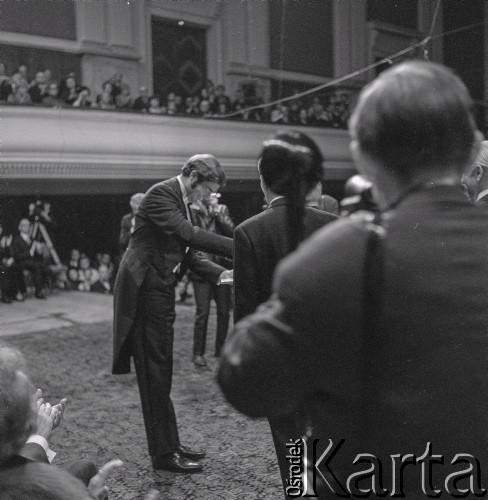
[243, 249]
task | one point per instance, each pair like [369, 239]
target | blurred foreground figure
[474, 179]
[378, 333]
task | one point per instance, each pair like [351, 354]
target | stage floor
[67, 340]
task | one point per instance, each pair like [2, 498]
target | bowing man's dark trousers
[153, 360]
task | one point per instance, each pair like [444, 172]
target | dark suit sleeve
[162, 206]
[245, 279]
[206, 269]
[224, 223]
[33, 452]
[20, 251]
[125, 233]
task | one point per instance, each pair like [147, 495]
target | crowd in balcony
[328, 110]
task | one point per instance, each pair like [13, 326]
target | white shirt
[176, 269]
[482, 194]
[35, 438]
[276, 198]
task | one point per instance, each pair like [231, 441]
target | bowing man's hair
[207, 167]
[291, 165]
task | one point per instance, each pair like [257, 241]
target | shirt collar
[275, 199]
[184, 191]
[482, 194]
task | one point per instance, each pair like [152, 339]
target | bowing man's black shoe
[175, 462]
[191, 454]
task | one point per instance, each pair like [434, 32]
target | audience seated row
[331, 110]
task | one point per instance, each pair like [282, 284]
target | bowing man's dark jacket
[161, 236]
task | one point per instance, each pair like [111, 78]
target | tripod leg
[49, 244]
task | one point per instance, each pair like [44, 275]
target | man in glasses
[160, 251]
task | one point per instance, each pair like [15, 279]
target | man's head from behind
[17, 405]
[136, 201]
[474, 179]
[202, 175]
[414, 123]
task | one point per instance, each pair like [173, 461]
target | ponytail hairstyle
[291, 166]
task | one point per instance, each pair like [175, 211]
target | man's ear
[479, 173]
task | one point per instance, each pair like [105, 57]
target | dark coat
[160, 238]
[125, 232]
[259, 244]
[20, 250]
[425, 379]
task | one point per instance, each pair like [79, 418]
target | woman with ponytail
[290, 166]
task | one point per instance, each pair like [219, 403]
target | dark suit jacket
[125, 232]
[159, 240]
[425, 377]
[20, 250]
[259, 244]
[31, 452]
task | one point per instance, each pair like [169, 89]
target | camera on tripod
[36, 210]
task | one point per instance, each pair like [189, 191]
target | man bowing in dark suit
[160, 250]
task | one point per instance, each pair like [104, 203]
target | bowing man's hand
[226, 278]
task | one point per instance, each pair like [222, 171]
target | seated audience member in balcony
[294, 112]
[20, 96]
[205, 109]
[316, 113]
[141, 102]
[324, 202]
[124, 99]
[179, 103]
[239, 104]
[474, 180]
[154, 107]
[107, 90]
[5, 83]
[49, 75]
[28, 256]
[222, 110]
[219, 99]
[280, 114]
[172, 109]
[191, 109]
[105, 100]
[116, 81]
[128, 222]
[69, 89]
[83, 98]
[87, 275]
[303, 117]
[51, 98]
[19, 78]
[252, 99]
[102, 285]
[38, 87]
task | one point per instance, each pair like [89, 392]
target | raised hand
[96, 486]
